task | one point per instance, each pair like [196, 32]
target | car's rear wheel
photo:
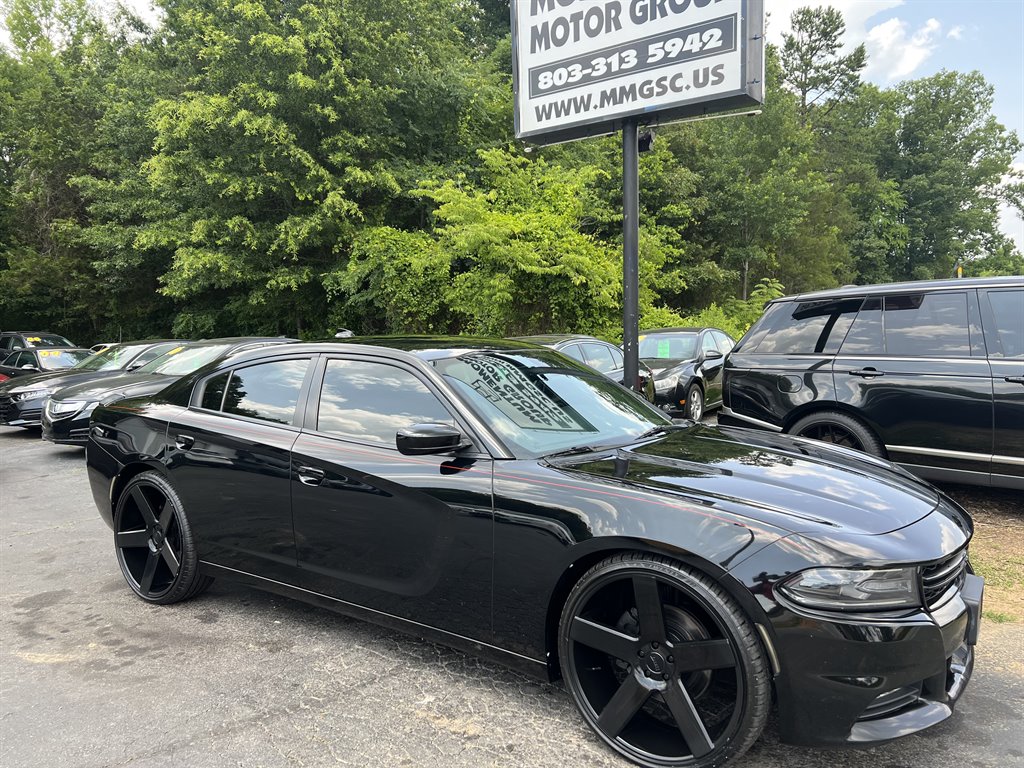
[154, 542]
[663, 664]
[839, 429]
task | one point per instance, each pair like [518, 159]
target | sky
[907, 39]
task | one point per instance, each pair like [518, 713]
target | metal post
[630, 253]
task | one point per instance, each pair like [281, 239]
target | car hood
[662, 367]
[54, 380]
[795, 484]
[127, 385]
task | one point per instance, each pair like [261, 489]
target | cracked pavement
[92, 677]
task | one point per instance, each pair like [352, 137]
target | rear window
[927, 325]
[1008, 311]
[668, 346]
[803, 327]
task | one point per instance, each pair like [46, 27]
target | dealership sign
[581, 67]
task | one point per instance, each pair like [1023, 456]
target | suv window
[268, 391]
[370, 402]
[213, 392]
[927, 325]
[806, 327]
[7, 342]
[599, 357]
[1008, 311]
[865, 335]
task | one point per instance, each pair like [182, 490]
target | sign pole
[630, 252]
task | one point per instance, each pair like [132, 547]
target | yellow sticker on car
[47, 353]
[32, 338]
[175, 351]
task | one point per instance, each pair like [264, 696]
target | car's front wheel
[663, 664]
[154, 543]
[695, 403]
[839, 429]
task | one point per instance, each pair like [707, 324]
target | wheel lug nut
[654, 645]
[641, 653]
[671, 660]
[664, 677]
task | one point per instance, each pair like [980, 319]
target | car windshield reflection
[539, 404]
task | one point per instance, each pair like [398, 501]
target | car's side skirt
[534, 668]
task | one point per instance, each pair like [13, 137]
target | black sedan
[507, 500]
[600, 355]
[26, 362]
[687, 366]
[66, 416]
[22, 400]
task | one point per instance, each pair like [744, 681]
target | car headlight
[30, 394]
[841, 589]
[63, 408]
[669, 382]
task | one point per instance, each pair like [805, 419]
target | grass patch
[997, 617]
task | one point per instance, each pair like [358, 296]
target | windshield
[54, 359]
[182, 359]
[541, 402]
[669, 346]
[47, 340]
[111, 359]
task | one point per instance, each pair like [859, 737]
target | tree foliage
[280, 166]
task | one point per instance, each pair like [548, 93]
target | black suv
[929, 374]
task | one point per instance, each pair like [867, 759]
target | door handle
[866, 373]
[310, 475]
[1015, 379]
[184, 442]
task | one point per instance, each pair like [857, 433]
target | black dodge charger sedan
[507, 500]
[22, 400]
[66, 416]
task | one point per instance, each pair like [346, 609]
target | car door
[407, 535]
[712, 359]
[229, 454]
[913, 367]
[1003, 317]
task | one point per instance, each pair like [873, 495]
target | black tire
[663, 664]
[695, 403]
[839, 429]
[154, 543]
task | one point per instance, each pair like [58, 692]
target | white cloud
[956, 33]
[856, 13]
[895, 53]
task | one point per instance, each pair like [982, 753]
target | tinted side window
[573, 351]
[725, 344]
[599, 357]
[927, 325]
[617, 356]
[808, 327]
[269, 391]
[213, 394]
[370, 402]
[865, 335]
[7, 342]
[708, 343]
[1008, 311]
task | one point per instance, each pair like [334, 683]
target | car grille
[6, 408]
[891, 702]
[938, 578]
[31, 414]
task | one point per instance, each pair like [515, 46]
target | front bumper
[21, 413]
[69, 431]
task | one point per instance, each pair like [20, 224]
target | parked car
[22, 400]
[26, 362]
[682, 579]
[66, 415]
[687, 367]
[12, 340]
[928, 374]
[603, 357]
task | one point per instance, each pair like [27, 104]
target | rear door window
[599, 357]
[927, 325]
[268, 391]
[573, 351]
[1008, 312]
[865, 335]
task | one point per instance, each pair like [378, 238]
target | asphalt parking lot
[91, 676]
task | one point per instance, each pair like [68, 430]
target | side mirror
[134, 366]
[713, 354]
[425, 439]
[29, 367]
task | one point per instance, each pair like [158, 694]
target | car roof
[52, 348]
[914, 286]
[424, 347]
[555, 338]
[649, 331]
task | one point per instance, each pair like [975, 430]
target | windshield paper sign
[583, 65]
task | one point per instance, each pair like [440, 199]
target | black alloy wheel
[838, 429]
[663, 664]
[154, 542]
